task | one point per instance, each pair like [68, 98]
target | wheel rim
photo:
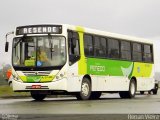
[132, 89]
[85, 89]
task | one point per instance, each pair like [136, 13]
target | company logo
[97, 68]
[138, 69]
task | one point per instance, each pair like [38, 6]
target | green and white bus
[66, 59]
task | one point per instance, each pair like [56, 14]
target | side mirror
[6, 46]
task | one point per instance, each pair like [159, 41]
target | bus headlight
[16, 77]
[60, 75]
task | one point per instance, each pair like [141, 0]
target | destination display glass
[39, 29]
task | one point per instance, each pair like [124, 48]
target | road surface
[69, 106]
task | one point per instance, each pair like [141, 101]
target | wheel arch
[89, 78]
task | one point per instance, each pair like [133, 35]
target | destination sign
[39, 29]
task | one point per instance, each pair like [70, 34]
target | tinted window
[137, 47]
[76, 39]
[99, 46]
[137, 52]
[147, 49]
[88, 45]
[113, 48]
[147, 55]
[125, 50]
[73, 38]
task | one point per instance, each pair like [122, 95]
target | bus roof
[100, 33]
[109, 34]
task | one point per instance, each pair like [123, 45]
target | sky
[139, 18]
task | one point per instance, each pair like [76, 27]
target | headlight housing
[15, 76]
[60, 75]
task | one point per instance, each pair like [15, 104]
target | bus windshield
[39, 51]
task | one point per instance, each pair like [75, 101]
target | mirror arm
[7, 43]
[9, 33]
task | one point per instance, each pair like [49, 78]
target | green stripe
[35, 79]
[108, 67]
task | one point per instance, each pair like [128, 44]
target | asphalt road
[61, 107]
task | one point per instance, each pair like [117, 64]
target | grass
[6, 91]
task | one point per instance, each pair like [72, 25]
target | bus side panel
[74, 80]
[144, 74]
[111, 75]
[82, 63]
[109, 83]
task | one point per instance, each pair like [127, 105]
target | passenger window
[73, 43]
[74, 49]
[137, 52]
[147, 55]
[113, 48]
[125, 50]
[99, 47]
[88, 45]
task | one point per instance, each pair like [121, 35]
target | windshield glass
[41, 51]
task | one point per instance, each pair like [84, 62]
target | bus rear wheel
[155, 90]
[85, 92]
[131, 92]
[38, 96]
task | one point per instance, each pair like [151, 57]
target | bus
[51, 59]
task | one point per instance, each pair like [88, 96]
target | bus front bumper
[55, 85]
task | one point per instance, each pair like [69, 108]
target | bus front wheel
[38, 96]
[85, 92]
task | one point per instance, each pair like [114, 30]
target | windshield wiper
[21, 39]
[17, 42]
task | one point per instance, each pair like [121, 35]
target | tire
[132, 90]
[155, 90]
[85, 92]
[38, 96]
[95, 95]
[142, 92]
[123, 94]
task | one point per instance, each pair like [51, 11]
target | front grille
[39, 73]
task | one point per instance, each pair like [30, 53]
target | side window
[76, 50]
[147, 53]
[73, 47]
[88, 45]
[73, 40]
[137, 52]
[99, 46]
[113, 48]
[125, 50]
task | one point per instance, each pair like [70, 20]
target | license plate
[36, 86]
